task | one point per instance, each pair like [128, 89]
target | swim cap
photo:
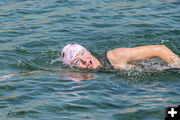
[69, 52]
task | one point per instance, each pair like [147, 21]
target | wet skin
[121, 57]
[84, 59]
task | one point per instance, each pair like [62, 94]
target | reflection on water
[77, 76]
[65, 74]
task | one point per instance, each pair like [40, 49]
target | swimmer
[75, 55]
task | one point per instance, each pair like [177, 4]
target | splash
[147, 71]
[56, 60]
[164, 41]
[151, 65]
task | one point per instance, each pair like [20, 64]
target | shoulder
[119, 53]
[118, 57]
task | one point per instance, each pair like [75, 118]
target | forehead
[79, 53]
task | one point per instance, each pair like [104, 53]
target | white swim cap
[69, 52]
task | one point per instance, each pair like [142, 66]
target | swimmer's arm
[147, 52]
[122, 56]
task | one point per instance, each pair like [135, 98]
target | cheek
[81, 65]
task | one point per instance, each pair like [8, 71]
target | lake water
[34, 84]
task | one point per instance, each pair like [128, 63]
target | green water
[34, 85]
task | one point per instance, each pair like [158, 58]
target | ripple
[21, 113]
[34, 84]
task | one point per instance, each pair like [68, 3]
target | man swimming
[76, 55]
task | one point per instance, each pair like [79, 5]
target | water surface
[34, 85]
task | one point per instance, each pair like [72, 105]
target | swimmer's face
[84, 59]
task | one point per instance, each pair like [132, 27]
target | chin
[94, 67]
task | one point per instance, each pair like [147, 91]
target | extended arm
[122, 56]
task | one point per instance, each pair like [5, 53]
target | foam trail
[4, 77]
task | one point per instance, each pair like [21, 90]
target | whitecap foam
[4, 77]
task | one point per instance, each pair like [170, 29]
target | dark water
[34, 85]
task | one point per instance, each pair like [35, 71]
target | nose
[83, 59]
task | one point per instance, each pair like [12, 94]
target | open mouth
[90, 64]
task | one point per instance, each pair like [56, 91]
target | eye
[82, 53]
[76, 62]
